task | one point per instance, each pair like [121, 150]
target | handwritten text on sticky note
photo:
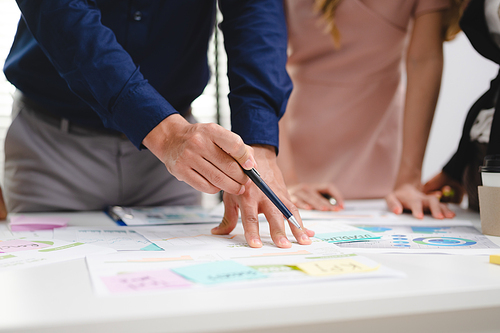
[16, 245]
[334, 267]
[144, 281]
[218, 272]
[347, 236]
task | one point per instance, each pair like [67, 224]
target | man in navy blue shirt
[90, 73]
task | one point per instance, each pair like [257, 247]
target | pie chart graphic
[444, 241]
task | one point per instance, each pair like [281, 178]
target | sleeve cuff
[139, 111]
[256, 126]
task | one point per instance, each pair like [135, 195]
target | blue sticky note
[152, 247]
[347, 236]
[218, 272]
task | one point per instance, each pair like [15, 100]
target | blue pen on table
[255, 177]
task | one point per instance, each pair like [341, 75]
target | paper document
[25, 253]
[433, 237]
[137, 216]
[118, 238]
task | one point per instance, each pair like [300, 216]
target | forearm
[423, 84]
[255, 40]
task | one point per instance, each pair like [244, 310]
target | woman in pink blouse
[354, 127]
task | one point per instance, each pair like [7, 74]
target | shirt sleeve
[425, 6]
[96, 68]
[255, 38]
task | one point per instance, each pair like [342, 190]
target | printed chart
[459, 239]
[119, 238]
[24, 253]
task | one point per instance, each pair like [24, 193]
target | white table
[441, 293]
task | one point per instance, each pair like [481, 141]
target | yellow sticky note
[495, 259]
[334, 267]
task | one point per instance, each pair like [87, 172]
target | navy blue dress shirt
[127, 65]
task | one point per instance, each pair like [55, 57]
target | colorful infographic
[422, 238]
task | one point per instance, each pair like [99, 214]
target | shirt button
[137, 16]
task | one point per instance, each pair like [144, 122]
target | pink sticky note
[25, 223]
[17, 245]
[143, 281]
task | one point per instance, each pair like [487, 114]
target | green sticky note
[347, 236]
[218, 272]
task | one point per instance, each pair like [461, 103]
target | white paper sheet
[448, 237]
[53, 251]
[118, 238]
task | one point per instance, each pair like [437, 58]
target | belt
[71, 127]
[63, 124]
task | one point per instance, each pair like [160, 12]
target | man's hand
[316, 196]
[409, 197]
[206, 156]
[253, 201]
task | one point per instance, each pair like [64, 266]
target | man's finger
[250, 221]
[229, 220]
[300, 235]
[234, 146]
[276, 225]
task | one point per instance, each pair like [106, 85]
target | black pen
[255, 177]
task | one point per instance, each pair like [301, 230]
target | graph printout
[421, 238]
[25, 253]
[118, 238]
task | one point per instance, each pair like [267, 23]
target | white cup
[491, 179]
[490, 171]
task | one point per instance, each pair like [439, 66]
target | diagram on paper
[425, 238]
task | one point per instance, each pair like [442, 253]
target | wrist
[412, 177]
[163, 132]
[264, 151]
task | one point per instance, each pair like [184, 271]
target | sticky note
[218, 272]
[17, 245]
[334, 267]
[144, 281]
[495, 259]
[25, 223]
[347, 236]
[152, 247]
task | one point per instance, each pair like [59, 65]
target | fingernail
[440, 216]
[304, 238]
[248, 164]
[256, 242]
[284, 241]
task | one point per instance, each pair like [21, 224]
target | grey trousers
[49, 168]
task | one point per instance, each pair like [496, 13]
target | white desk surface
[441, 293]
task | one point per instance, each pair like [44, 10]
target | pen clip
[126, 212]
